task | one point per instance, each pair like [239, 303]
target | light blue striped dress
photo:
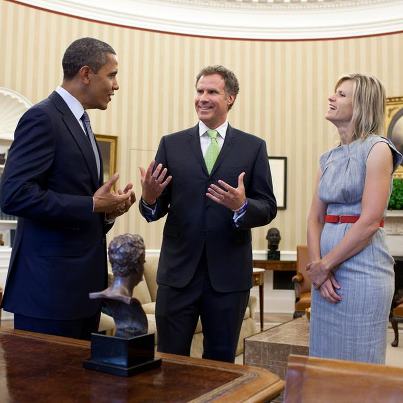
[355, 328]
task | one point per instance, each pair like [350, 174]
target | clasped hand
[112, 203]
[228, 196]
[317, 272]
[328, 290]
[323, 279]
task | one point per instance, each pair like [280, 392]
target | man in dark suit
[53, 182]
[214, 183]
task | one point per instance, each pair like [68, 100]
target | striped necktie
[90, 135]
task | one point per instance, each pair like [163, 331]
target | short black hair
[89, 52]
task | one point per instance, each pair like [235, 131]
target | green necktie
[212, 151]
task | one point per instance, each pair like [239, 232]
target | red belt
[345, 219]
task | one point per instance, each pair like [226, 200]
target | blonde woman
[351, 268]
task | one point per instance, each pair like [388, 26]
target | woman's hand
[318, 272]
[328, 290]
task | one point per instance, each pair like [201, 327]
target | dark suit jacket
[59, 253]
[195, 222]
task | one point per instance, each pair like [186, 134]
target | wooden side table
[271, 348]
[276, 265]
[258, 279]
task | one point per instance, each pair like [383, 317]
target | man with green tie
[214, 183]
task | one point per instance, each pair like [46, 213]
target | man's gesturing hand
[232, 198]
[106, 201]
[153, 183]
[123, 207]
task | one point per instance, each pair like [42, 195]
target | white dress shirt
[77, 110]
[205, 139]
[74, 105]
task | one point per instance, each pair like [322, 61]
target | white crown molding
[234, 19]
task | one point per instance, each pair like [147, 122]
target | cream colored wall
[284, 89]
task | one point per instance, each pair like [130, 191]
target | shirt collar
[72, 102]
[222, 130]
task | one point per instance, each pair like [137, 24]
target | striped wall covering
[283, 97]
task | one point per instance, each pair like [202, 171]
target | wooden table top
[275, 265]
[37, 367]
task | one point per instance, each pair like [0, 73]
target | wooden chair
[311, 379]
[1, 298]
[396, 310]
[302, 284]
[396, 317]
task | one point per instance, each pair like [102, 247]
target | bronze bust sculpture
[127, 256]
[273, 239]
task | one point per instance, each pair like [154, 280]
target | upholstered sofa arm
[110, 279]
[252, 305]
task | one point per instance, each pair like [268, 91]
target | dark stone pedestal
[273, 255]
[122, 356]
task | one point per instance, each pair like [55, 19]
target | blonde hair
[368, 104]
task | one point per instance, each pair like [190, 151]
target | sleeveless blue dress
[355, 328]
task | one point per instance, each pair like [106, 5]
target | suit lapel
[194, 140]
[101, 165]
[226, 148]
[78, 135]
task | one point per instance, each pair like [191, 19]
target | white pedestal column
[275, 301]
[394, 231]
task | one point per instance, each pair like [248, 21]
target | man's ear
[230, 100]
[84, 74]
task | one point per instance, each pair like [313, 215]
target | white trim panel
[320, 21]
